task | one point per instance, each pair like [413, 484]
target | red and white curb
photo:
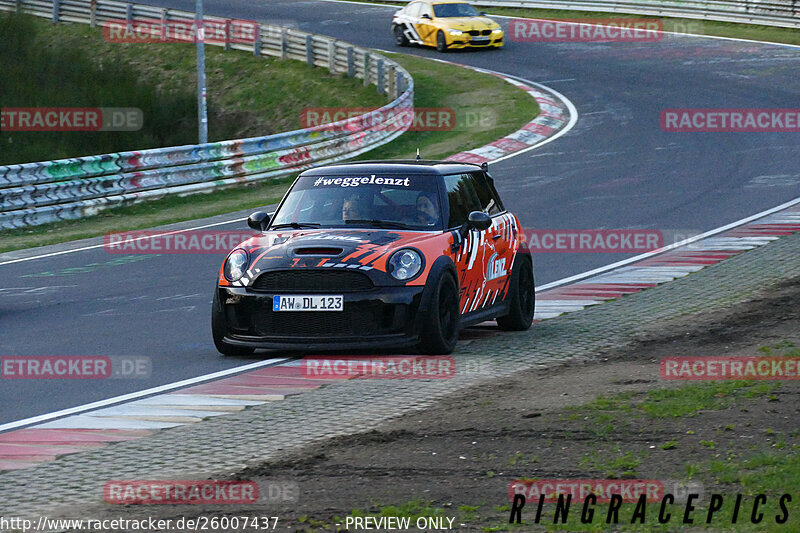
[557, 116]
[658, 267]
[139, 418]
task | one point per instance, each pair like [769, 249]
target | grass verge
[440, 85]
[436, 85]
[767, 465]
[47, 65]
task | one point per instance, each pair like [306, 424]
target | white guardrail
[38, 193]
[784, 13]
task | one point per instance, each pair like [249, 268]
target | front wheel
[440, 332]
[522, 302]
[441, 42]
[218, 330]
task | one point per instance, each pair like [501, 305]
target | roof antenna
[418, 157]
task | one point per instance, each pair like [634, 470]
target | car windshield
[369, 201]
[454, 10]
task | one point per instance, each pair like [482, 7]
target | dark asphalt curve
[614, 169]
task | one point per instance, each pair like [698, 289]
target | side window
[489, 201]
[462, 197]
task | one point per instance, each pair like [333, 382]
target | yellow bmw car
[445, 24]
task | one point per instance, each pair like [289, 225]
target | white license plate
[480, 40]
[308, 303]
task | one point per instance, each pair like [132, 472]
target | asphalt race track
[615, 169]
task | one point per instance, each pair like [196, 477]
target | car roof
[393, 166]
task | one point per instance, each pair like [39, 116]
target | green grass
[687, 400]
[754, 32]
[503, 107]
[45, 65]
[513, 108]
[773, 472]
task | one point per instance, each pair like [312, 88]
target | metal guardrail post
[227, 34]
[129, 17]
[93, 13]
[392, 86]
[257, 42]
[56, 6]
[366, 70]
[381, 80]
[310, 50]
[351, 65]
[332, 56]
[399, 83]
[164, 19]
[18, 6]
[284, 44]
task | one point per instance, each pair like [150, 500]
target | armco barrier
[39, 193]
[783, 13]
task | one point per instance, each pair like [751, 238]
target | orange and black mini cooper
[376, 254]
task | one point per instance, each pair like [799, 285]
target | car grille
[475, 33]
[303, 280]
[358, 319]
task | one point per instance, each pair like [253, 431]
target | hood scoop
[318, 250]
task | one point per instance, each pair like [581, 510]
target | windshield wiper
[296, 225]
[379, 223]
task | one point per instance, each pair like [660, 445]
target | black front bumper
[378, 318]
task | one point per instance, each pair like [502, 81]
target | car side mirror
[258, 221]
[479, 220]
[426, 16]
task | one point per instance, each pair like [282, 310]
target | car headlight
[456, 32]
[236, 265]
[497, 30]
[405, 264]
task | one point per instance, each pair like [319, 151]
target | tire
[441, 328]
[523, 299]
[400, 36]
[441, 42]
[218, 330]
